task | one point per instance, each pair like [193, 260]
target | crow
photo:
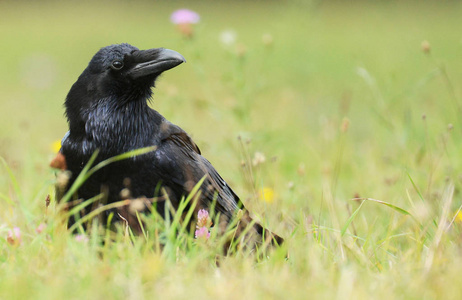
[108, 111]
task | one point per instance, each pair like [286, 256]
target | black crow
[107, 110]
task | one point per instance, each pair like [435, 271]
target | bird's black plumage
[107, 109]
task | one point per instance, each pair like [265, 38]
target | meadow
[338, 124]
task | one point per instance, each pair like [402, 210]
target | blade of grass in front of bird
[167, 210]
[175, 232]
[107, 235]
[97, 212]
[131, 234]
[141, 226]
[120, 157]
[87, 172]
[82, 205]
[80, 179]
[229, 233]
[237, 240]
[76, 209]
[213, 205]
[169, 230]
[226, 237]
[192, 195]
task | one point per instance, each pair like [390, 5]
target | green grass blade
[415, 186]
[84, 204]
[394, 207]
[398, 209]
[13, 180]
[87, 172]
[120, 157]
[96, 212]
[80, 179]
[350, 219]
[138, 218]
[194, 193]
[7, 199]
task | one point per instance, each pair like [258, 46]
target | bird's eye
[117, 65]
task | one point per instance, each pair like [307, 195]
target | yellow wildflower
[266, 194]
[459, 217]
[56, 146]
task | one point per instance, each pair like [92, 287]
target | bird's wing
[183, 166]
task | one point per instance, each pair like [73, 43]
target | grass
[360, 129]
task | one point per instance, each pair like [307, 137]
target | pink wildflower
[41, 227]
[202, 218]
[184, 19]
[81, 238]
[184, 16]
[203, 224]
[14, 236]
[202, 232]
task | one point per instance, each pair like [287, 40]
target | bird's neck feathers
[115, 124]
[92, 92]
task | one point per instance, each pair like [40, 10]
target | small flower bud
[14, 236]
[203, 224]
[426, 47]
[125, 194]
[228, 37]
[41, 227]
[345, 125]
[301, 169]
[241, 50]
[258, 158]
[290, 185]
[136, 205]
[203, 219]
[267, 39]
[47, 201]
[62, 179]
[81, 238]
[202, 233]
[184, 19]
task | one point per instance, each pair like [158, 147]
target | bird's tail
[255, 234]
[268, 236]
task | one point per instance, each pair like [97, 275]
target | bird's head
[124, 66]
[121, 70]
[118, 74]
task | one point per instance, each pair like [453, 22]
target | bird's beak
[154, 62]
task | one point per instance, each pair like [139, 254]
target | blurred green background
[344, 99]
[284, 74]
